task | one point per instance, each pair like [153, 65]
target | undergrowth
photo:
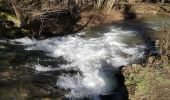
[151, 81]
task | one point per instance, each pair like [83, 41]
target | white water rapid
[93, 57]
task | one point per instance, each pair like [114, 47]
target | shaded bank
[151, 79]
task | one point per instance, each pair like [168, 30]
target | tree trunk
[163, 1]
[19, 15]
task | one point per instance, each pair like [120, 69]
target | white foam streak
[41, 68]
[25, 40]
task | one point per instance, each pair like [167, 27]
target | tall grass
[105, 5]
[108, 5]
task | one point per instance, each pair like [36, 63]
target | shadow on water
[120, 92]
[18, 79]
[41, 85]
[24, 83]
[143, 30]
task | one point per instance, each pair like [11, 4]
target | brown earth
[148, 82]
[98, 18]
[150, 8]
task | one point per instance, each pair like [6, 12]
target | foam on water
[41, 68]
[90, 57]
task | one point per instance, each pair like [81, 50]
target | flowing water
[78, 66]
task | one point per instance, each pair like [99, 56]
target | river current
[83, 64]
[92, 57]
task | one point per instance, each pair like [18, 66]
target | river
[83, 65]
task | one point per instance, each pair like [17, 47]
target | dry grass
[105, 5]
[165, 42]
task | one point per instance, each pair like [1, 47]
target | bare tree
[163, 1]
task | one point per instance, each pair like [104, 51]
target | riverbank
[122, 12]
[151, 80]
[51, 21]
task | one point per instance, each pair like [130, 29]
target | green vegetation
[145, 82]
[152, 80]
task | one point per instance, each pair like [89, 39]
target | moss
[9, 17]
[149, 78]
[7, 14]
[162, 78]
[142, 87]
[140, 78]
[25, 31]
